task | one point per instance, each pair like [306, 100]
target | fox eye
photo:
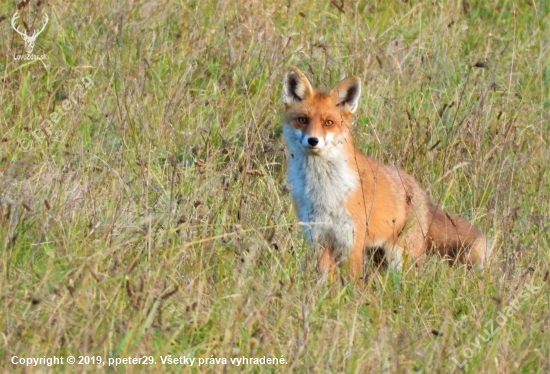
[328, 122]
[302, 120]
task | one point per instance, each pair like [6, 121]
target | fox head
[317, 121]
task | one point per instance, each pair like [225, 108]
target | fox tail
[455, 238]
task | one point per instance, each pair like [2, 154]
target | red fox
[349, 203]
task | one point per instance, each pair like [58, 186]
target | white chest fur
[320, 184]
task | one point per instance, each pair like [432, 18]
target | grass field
[144, 210]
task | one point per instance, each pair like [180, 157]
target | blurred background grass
[153, 217]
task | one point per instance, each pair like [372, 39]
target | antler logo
[29, 40]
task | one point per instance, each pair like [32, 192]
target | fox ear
[347, 93]
[296, 86]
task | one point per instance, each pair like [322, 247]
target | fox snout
[307, 141]
[312, 141]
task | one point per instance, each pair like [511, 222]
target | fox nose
[313, 141]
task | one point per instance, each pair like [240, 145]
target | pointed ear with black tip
[347, 93]
[296, 86]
